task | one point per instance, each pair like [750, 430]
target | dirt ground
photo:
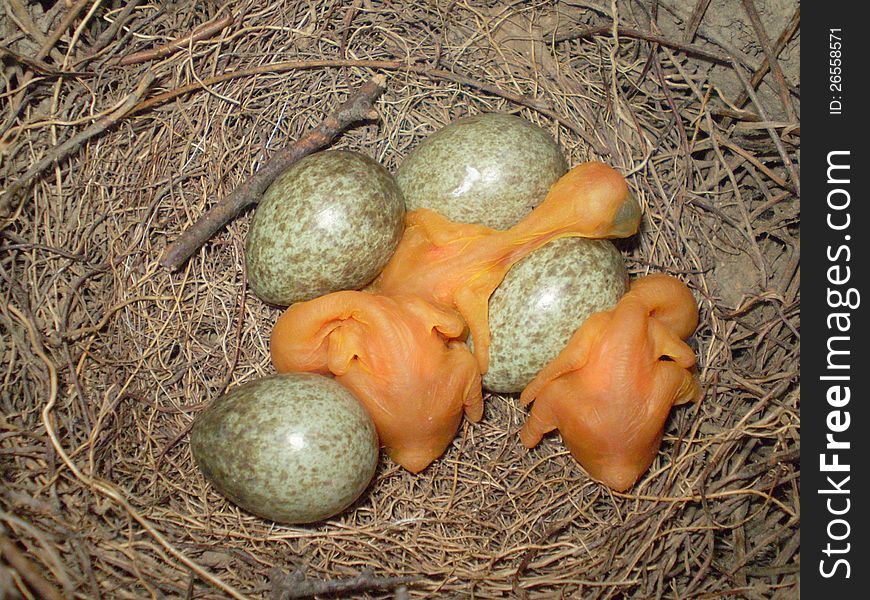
[727, 21]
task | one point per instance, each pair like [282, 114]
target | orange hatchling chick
[610, 390]
[402, 358]
[459, 265]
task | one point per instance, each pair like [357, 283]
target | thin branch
[28, 571]
[65, 149]
[19, 15]
[650, 37]
[387, 65]
[109, 34]
[356, 108]
[770, 55]
[38, 66]
[515, 98]
[789, 165]
[345, 26]
[44, 50]
[695, 20]
[203, 32]
[781, 42]
[67, 22]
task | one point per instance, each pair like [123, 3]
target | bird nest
[122, 122]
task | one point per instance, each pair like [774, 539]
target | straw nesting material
[107, 357]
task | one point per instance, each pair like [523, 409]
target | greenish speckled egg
[330, 222]
[491, 169]
[543, 300]
[293, 448]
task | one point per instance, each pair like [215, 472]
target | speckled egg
[330, 222]
[491, 169]
[543, 300]
[293, 448]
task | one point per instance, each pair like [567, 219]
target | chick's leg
[542, 420]
[672, 385]
[474, 402]
[474, 308]
[473, 399]
[572, 357]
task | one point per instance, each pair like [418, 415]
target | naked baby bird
[459, 265]
[401, 357]
[610, 390]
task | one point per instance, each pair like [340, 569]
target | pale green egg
[491, 169]
[330, 222]
[293, 448]
[543, 300]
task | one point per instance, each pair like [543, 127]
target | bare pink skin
[401, 358]
[611, 389]
[459, 265]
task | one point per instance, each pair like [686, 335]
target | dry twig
[629, 32]
[95, 384]
[109, 34]
[203, 32]
[695, 21]
[390, 65]
[770, 59]
[71, 145]
[358, 107]
[38, 66]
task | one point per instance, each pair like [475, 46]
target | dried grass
[107, 358]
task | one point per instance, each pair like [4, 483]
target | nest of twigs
[122, 122]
